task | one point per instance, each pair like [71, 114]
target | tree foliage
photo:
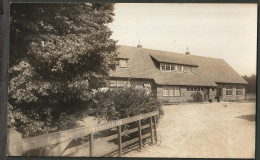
[196, 97]
[124, 102]
[119, 103]
[251, 87]
[59, 53]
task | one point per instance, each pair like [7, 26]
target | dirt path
[216, 130]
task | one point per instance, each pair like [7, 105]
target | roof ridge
[171, 52]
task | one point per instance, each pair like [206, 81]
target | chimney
[187, 52]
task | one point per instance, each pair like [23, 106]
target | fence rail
[17, 146]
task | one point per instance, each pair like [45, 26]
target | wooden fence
[17, 146]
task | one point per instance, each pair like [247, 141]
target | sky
[226, 31]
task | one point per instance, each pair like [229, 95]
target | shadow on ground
[250, 117]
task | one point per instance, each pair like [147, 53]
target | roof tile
[140, 65]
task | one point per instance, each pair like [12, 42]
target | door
[219, 94]
[206, 94]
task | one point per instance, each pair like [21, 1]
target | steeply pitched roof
[140, 65]
[170, 57]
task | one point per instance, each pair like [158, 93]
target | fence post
[14, 143]
[119, 141]
[91, 145]
[151, 129]
[155, 132]
[140, 134]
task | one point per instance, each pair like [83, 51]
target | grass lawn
[215, 130]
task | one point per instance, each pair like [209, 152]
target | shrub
[196, 97]
[124, 102]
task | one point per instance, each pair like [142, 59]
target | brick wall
[233, 97]
[136, 83]
[185, 96]
[139, 83]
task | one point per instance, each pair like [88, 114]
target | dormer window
[168, 67]
[122, 63]
[162, 66]
[173, 67]
[178, 68]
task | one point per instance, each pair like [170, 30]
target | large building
[175, 77]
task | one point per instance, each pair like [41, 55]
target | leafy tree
[251, 87]
[59, 53]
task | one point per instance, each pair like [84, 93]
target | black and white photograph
[147, 80]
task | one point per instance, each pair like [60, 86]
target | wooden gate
[17, 146]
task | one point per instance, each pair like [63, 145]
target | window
[165, 91]
[171, 91]
[121, 83]
[168, 67]
[193, 69]
[229, 90]
[239, 90]
[112, 83]
[173, 67]
[196, 88]
[190, 69]
[162, 66]
[189, 88]
[179, 68]
[185, 69]
[177, 91]
[123, 63]
[118, 83]
[147, 87]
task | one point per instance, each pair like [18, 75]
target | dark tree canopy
[251, 87]
[59, 53]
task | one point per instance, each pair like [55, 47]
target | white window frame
[163, 65]
[165, 91]
[193, 70]
[229, 90]
[121, 65]
[239, 90]
[189, 69]
[196, 88]
[173, 67]
[119, 83]
[185, 69]
[167, 66]
[177, 91]
[179, 68]
[171, 91]
[191, 89]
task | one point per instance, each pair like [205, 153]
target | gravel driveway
[215, 130]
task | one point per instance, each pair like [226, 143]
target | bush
[196, 97]
[124, 102]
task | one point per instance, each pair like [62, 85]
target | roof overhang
[162, 60]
